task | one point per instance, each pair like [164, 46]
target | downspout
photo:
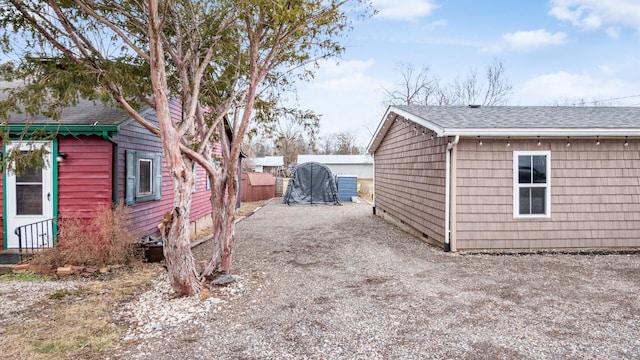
[373, 185]
[447, 194]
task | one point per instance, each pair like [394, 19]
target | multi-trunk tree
[218, 58]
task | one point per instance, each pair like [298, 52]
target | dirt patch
[70, 318]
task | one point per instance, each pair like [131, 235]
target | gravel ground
[335, 282]
[19, 297]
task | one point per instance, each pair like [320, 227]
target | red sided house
[100, 156]
[511, 178]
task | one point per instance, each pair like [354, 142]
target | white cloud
[613, 31]
[436, 24]
[594, 14]
[534, 39]
[407, 10]
[562, 86]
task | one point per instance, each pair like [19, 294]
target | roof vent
[474, 106]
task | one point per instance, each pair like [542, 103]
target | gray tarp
[311, 183]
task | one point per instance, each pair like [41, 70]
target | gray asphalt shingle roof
[514, 117]
[546, 121]
[85, 112]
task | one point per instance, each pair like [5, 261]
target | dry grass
[245, 209]
[78, 323]
[248, 207]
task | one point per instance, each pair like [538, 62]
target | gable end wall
[410, 179]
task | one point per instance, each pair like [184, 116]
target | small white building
[360, 165]
[268, 164]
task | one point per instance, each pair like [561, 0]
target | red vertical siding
[1, 207]
[84, 177]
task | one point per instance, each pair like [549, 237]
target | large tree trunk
[175, 230]
[218, 214]
[223, 200]
[177, 242]
[229, 219]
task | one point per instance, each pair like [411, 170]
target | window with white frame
[143, 176]
[531, 184]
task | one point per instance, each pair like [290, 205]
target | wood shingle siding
[519, 178]
[410, 179]
[595, 196]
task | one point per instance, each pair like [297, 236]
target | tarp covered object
[311, 183]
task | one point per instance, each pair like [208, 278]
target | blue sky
[555, 51]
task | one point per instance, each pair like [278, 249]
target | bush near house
[104, 240]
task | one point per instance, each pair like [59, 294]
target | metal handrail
[35, 236]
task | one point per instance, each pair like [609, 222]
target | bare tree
[292, 135]
[416, 87]
[419, 88]
[346, 143]
[326, 145]
[498, 87]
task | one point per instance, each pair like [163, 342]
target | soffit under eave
[389, 117]
[543, 132]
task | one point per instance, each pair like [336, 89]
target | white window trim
[516, 185]
[139, 193]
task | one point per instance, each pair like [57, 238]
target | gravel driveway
[335, 282]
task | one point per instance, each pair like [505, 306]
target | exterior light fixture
[597, 140]
[626, 141]
[479, 141]
[539, 142]
[508, 141]
[61, 156]
[568, 142]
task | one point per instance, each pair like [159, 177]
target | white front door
[30, 200]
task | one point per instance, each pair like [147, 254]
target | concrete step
[9, 257]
